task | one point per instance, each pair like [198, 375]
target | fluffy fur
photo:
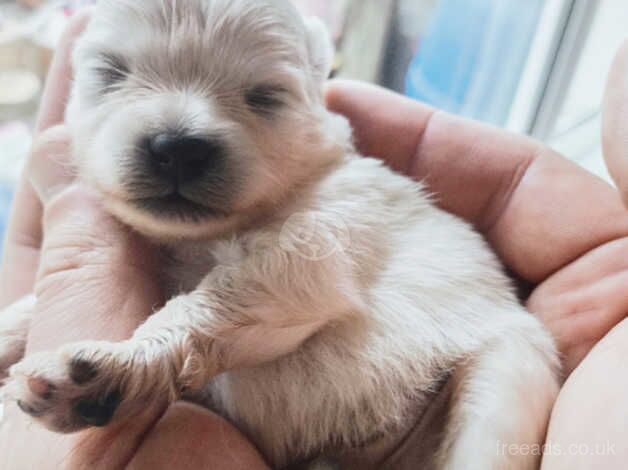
[318, 300]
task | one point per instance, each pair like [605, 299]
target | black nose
[180, 159]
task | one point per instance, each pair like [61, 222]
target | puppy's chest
[186, 264]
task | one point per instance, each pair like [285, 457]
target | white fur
[329, 304]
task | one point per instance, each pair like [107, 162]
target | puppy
[318, 300]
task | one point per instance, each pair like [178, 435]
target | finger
[21, 246]
[186, 436]
[57, 90]
[23, 240]
[25, 446]
[468, 165]
[615, 122]
[538, 210]
[583, 301]
[386, 125]
[48, 171]
[191, 437]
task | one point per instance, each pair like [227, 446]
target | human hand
[559, 228]
[93, 279]
[589, 420]
[556, 226]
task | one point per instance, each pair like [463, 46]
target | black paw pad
[82, 371]
[98, 412]
[29, 410]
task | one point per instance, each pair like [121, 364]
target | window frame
[553, 56]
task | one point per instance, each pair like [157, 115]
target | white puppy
[319, 301]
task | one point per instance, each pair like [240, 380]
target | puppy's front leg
[254, 311]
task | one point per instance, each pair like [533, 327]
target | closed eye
[112, 71]
[266, 99]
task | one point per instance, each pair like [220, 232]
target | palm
[74, 265]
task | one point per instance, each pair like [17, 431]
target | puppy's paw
[81, 385]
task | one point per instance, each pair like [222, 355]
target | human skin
[591, 412]
[559, 229]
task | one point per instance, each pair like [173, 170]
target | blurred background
[531, 66]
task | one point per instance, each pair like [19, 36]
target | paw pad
[98, 412]
[29, 410]
[82, 371]
[40, 387]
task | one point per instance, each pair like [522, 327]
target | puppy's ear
[320, 48]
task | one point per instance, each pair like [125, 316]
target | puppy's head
[192, 115]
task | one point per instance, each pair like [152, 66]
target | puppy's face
[191, 115]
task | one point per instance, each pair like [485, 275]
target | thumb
[615, 122]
